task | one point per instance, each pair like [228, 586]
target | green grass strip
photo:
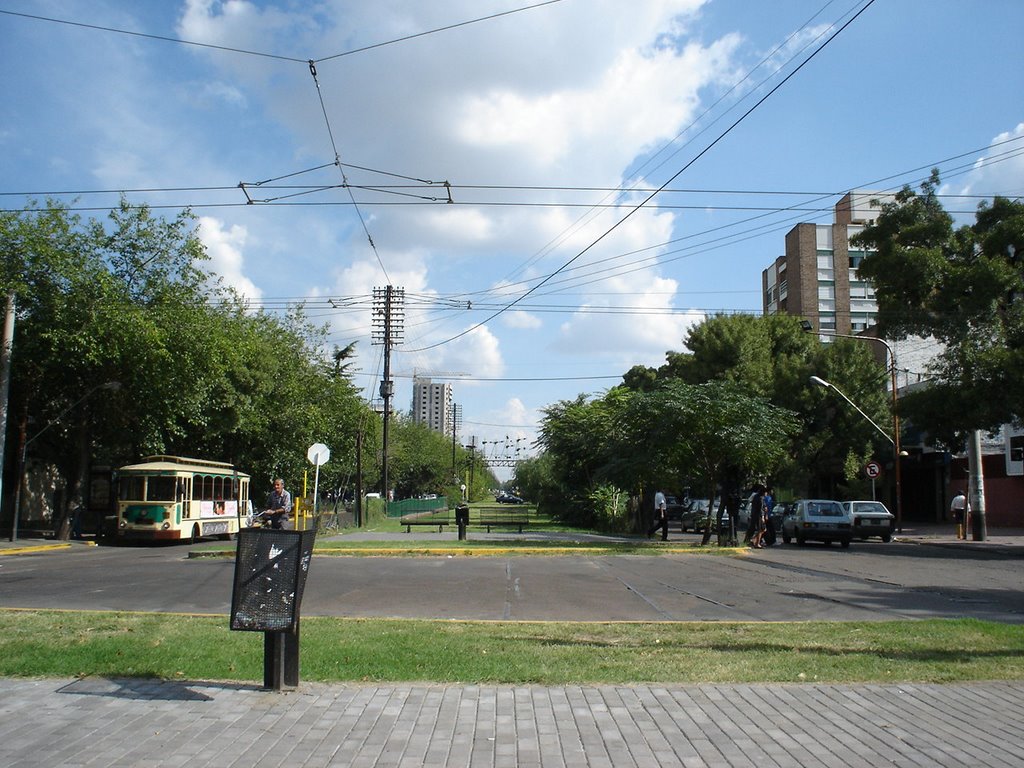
[170, 646]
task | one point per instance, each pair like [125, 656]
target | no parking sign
[872, 469]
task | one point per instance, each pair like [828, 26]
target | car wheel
[845, 543]
[786, 538]
[887, 538]
[800, 540]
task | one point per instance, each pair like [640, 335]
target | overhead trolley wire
[446, 28]
[676, 175]
[162, 38]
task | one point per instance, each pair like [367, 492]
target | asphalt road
[786, 583]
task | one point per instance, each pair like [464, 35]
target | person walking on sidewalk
[660, 516]
[958, 508]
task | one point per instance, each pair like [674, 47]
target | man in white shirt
[660, 516]
[958, 507]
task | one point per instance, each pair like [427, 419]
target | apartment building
[817, 277]
[432, 404]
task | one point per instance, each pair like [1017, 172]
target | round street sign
[318, 454]
[872, 469]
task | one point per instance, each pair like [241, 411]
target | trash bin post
[270, 575]
[462, 520]
[280, 660]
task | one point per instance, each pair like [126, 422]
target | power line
[438, 29]
[976, 162]
[673, 178]
[162, 38]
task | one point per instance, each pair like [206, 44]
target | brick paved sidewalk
[102, 722]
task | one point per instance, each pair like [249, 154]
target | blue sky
[532, 117]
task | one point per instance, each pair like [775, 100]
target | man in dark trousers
[279, 505]
[660, 516]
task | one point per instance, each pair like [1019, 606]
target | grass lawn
[171, 646]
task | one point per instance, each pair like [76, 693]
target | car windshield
[825, 509]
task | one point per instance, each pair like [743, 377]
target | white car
[817, 520]
[870, 518]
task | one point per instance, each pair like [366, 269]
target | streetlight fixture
[829, 385]
[111, 385]
[805, 325]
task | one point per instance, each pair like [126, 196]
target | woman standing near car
[756, 528]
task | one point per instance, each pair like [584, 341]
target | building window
[858, 288]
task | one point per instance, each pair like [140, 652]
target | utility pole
[976, 492]
[5, 386]
[388, 327]
[359, 479]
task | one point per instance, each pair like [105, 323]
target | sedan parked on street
[870, 518]
[693, 516]
[817, 520]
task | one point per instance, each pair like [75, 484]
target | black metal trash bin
[462, 520]
[270, 575]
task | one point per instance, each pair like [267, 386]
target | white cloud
[224, 246]
[522, 320]
[643, 97]
[477, 353]
[1001, 170]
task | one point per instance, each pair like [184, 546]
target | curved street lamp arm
[829, 385]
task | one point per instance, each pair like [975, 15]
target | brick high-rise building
[817, 277]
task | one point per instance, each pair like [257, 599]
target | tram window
[161, 489]
[132, 488]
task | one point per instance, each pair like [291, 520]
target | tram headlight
[166, 525]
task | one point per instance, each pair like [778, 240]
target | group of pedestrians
[760, 533]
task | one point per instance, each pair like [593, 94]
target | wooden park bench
[428, 518]
[505, 516]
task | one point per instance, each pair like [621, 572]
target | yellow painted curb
[35, 548]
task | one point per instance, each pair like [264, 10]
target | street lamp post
[895, 439]
[23, 449]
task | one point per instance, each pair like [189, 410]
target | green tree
[581, 439]
[963, 286]
[772, 357]
[128, 300]
[711, 431]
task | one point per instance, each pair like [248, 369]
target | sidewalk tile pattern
[141, 723]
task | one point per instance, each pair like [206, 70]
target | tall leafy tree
[772, 357]
[965, 287]
[712, 432]
[129, 300]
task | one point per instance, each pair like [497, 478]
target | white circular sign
[872, 469]
[318, 454]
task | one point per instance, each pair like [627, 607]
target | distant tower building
[817, 278]
[432, 404]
